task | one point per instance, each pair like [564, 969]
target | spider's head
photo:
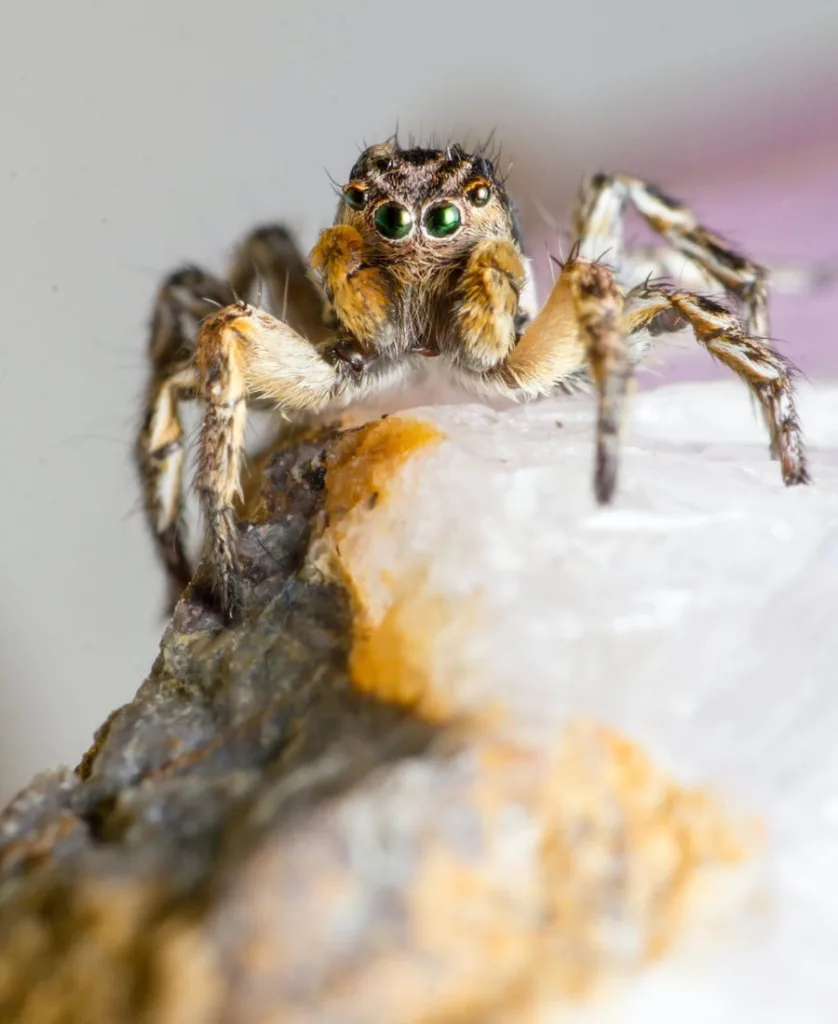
[434, 202]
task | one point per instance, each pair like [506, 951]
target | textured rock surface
[401, 788]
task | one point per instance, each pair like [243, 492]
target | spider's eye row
[479, 194]
[442, 220]
[393, 221]
[355, 197]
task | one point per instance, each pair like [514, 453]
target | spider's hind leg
[599, 225]
[267, 256]
[770, 378]
[270, 256]
[183, 300]
[741, 343]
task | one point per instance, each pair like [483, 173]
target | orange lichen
[480, 932]
[624, 848]
[362, 464]
[392, 658]
[94, 971]
[415, 654]
[620, 853]
[572, 880]
[394, 647]
[618, 850]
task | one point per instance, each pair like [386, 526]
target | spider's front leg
[577, 335]
[243, 353]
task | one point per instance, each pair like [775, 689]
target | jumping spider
[425, 261]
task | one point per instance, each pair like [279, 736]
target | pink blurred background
[770, 186]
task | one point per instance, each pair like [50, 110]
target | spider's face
[425, 203]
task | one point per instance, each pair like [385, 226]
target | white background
[136, 136]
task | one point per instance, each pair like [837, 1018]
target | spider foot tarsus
[777, 401]
[224, 586]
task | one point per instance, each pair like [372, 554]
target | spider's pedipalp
[359, 294]
[488, 303]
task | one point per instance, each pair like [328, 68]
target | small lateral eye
[442, 220]
[355, 197]
[393, 221]
[479, 194]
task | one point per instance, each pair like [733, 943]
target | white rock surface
[697, 615]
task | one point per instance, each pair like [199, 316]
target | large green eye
[442, 220]
[479, 194]
[355, 197]
[393, 221]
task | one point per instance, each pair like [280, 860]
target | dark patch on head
[418, 157]
[482, 167]
[398, 167]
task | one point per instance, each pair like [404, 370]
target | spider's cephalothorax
[409, 229]
[425, 260]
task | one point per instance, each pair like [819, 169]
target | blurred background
[138, 136]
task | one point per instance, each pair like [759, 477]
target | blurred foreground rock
[423, 779]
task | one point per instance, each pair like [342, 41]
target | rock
[432, 773]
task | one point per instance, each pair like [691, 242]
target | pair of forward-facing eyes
[439, 220]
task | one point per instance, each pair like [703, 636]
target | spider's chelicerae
[425, 261]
